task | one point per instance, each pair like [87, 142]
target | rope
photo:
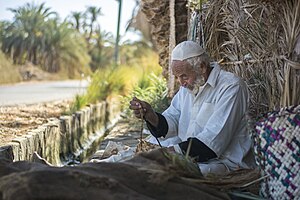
[142, 128]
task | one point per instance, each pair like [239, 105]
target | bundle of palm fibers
[290, 42]
[246, 180]
[170, 165]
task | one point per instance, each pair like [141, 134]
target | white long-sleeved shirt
[216, 116]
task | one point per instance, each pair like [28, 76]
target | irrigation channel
[126, 132]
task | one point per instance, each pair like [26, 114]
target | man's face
[184, 73]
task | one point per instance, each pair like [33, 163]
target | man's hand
[143, 109]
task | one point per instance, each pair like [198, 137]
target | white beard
[199, 82]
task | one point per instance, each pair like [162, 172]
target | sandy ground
[18, 120]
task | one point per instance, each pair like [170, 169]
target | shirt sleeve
[162, 129]
[172, 115]
[198, 150]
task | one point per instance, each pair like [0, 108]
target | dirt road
[38, 92]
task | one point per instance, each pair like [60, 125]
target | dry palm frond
[234, 180]
[238, 29]
[291, 26]
[214, 30]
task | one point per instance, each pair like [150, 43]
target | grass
[9, 72]
[140, 77]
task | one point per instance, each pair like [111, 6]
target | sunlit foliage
[36, 35]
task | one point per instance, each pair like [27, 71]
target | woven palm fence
[260, 41]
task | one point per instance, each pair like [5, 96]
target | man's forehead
[180, 66]
[178, 63]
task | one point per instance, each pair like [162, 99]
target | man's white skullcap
[186, 49]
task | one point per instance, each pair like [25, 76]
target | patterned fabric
[277, 149]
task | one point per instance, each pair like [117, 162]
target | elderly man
[209, 110]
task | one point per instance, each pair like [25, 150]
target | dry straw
[258, 40]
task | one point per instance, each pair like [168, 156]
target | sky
[109, 8]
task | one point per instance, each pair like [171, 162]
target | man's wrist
[161, 129]
[153, 119]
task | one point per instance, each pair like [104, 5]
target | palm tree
[64, 48]
[36, 37]
[3, 27]
[76, 20]
[26, 33]
[92, 12]
[101, 51]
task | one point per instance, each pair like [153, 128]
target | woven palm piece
[277, 149]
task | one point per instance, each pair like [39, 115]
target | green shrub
[75, 105]
[155, 92]
[126, 81]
